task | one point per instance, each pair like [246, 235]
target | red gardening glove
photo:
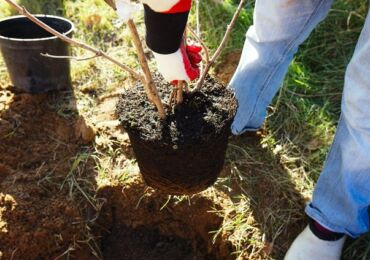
[181, 65]
[193, 51]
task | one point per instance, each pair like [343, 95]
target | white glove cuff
[126, 9]
[171, 66]
[160, 6]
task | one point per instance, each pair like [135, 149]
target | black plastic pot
[21, 44]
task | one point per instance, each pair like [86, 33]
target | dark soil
[174, 154]
[137, 222]
[143, 243]
[202, 115]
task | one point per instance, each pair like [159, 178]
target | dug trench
[44, 215]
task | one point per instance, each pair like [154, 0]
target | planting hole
[141, 223]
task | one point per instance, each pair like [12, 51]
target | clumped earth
[173, 153]
[201, 116]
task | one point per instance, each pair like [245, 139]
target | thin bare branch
[221, 46]
[149, 85]
[148, 81]
[180, 91]
[228, 32]
[186, 87]
[111, 3]
[22, 10]
[197, 35]
[199, 40]
[197, 17]
[47, 55]
[172, 99]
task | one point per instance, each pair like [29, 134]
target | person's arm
[165, 22]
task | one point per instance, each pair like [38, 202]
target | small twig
[149, 85]
[110, 95]
[197, 11]
[197, 35]
[13, 253]
[312, 95]
[186, 87]
[172, 96]
[47, 55]
[22, 10]
[180, 89]
[111, 3]
[221, 46]
[199, 40]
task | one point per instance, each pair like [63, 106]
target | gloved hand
[180, 65]
[165, 22]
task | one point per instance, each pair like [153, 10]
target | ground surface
[37, 218]
[69, 182]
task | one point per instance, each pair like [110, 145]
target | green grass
[217, 17]
[269, 180]
[301, 125]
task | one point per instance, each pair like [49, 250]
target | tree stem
[220, 47]
[149, 85]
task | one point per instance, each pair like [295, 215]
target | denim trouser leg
[280, 26]
[342, 194]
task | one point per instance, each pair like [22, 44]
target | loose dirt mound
[38, 220]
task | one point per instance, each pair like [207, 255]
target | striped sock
[324, 233]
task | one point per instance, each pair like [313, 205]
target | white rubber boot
[307, 246]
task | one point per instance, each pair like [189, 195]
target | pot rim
[37, 39]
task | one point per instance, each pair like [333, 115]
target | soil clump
[173, 154]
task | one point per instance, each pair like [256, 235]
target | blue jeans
[342, 195]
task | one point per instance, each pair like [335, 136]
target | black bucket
[22, 42]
